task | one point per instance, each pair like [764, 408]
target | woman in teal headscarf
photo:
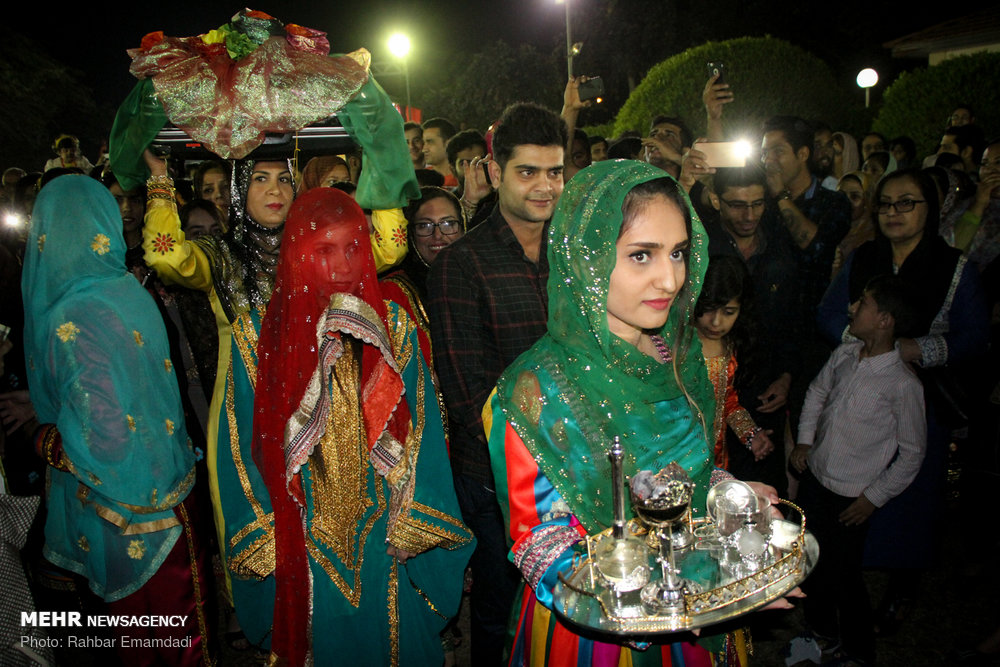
[627, 255]
[103, 386]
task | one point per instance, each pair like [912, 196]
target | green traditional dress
[558, 407]
[237, 271]
[349, 439]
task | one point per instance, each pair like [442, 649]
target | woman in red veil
[370, 551]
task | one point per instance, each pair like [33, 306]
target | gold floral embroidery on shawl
[136, 549]
[101, 244]
[67, 332]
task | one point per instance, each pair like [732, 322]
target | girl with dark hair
[878, 164]
[722, 326]
[211, 182]
[857, 186]
[200, 217]
[627, 257]
[904, 149]
[67, 149]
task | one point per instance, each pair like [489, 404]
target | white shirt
[858, 414]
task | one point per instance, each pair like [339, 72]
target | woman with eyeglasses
[948, 339]
[436, 220]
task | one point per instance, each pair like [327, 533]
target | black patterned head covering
[244, 259]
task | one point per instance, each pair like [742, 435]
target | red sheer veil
[326, 287]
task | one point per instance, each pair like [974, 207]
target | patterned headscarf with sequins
[244, 259]
[601, 385]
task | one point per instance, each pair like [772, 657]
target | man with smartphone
[487, 303]
[462, 149]
[669, 138]
[579, 94]
[467, 155]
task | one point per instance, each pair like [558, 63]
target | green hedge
[768, 76]
[918, 103]
[607, 130]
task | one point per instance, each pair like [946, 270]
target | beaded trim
[538, 551]
[661, 347]
[720, 475]
[48, 444]
[160, 187]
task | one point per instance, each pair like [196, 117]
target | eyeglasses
[448, 226]
[901, 206]
[743, 205]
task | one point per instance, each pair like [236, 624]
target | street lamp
[571, 48]
[866, 79]
[399, 46]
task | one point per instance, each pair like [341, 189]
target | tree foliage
[918, 103]
[42, 99]
[476, 90]
[768, 76]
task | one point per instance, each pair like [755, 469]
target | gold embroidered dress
[349, 438]
[728, 411]
[238, 275]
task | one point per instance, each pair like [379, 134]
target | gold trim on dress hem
[418, 536]
[117, 519]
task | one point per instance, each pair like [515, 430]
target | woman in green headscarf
[627, 255]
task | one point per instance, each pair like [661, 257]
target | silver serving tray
[584, 604]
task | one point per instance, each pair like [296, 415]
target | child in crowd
[862, 437]
[721, 331]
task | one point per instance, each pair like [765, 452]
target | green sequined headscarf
[581, 385]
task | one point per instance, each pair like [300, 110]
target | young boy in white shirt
[862, 438]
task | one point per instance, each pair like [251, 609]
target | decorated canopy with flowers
[230, 86]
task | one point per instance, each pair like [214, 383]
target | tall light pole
[399, 45]
[569, 41]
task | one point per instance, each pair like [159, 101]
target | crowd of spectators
[811, 224]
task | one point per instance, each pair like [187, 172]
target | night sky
[95, 39]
